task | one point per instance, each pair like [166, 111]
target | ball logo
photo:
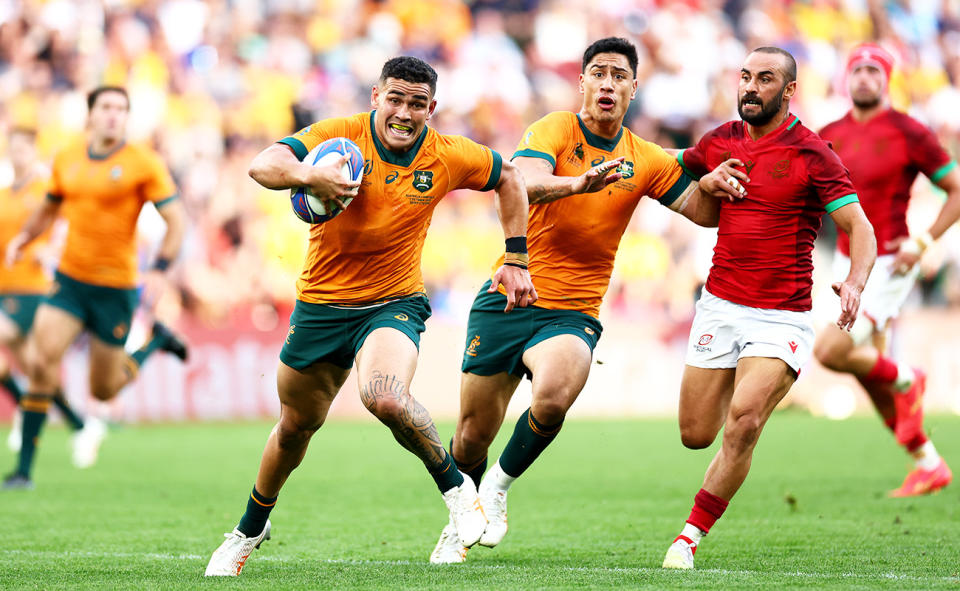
[705, 339]
[367, 167]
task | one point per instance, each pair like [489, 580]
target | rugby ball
[307, 207]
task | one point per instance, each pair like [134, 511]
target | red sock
[916, 443]
[885, 371]
[707, 509]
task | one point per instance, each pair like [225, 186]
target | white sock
[926, 458]
[498, 479]
[693, 532]
[905, 377]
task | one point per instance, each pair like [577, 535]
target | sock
[446, 474]
[905, 378]
[255, 518]
[141, 354]
[11, 386]
[707, 509]
[529, 439]
[692, 533]
[885, 371]
[35, 408]
[914, 445]
[475, 470]
[72, 418]
[926, 456]
[499, 479]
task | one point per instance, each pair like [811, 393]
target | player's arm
[863, 252]
[37, 224]
[512, 207]
[543, 186]
[175, 216]
[700, 201]
[277, 167]
[913, 247]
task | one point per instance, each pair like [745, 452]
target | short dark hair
[611, 45]
[410, 69]
[30, 132]
[96, 92]
[790, 70]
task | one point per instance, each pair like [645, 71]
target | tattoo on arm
[545, 194]
[412, 426]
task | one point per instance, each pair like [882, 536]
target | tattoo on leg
[412, 427]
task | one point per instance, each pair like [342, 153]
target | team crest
[115, 173]
[578, 151]
[626, 169]
[780, 169]
[290, 333]
[423, 180]
[472, 349]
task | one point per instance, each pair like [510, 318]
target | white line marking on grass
[361, 562]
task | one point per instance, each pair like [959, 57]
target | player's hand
[15, 249]
[328, 185]
[726, 181]
[518, 285]
[154, 285]
[909, 253]
[598, 177]
[849, 303]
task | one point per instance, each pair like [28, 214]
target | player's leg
[705, 395]
[53, 331]
[559, 366]
[12, 339]
[305, 398]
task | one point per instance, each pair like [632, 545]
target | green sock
[446, 475]
[255, 518]
[34, 416]
[11, 386]
[474, 471]
[72, 418]
[141, 354]
[529, 439]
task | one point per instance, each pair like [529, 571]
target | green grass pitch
[597, 511]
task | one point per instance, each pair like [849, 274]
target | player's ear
[790, 89]
[633, 93]
[580, 84]
[432, 108]
[374, 95]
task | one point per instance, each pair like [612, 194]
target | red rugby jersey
[763, 257]
[884, 155]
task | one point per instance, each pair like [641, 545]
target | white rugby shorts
[882, 297]
[724, 332]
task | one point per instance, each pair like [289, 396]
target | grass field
[597, 511]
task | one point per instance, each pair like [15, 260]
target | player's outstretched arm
[39, 222]
[174, 214]
[543, 186]
[700, 202]
[277, 167]
[863, 252]
[911, 249]
[513, 210]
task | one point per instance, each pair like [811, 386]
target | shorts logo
[391, 177]
[589, 330]
[120, 330]
[472, 349]
[423, 180]
[793, 346]
[290, 333]
[705, 339]
[402, 317]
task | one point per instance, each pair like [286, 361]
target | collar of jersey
[406, 158]
[93, 156]
[784, 127]
[599, 142]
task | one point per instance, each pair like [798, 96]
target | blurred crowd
[213, 82]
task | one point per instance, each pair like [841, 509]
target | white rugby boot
[86, 442]
[680, 554]
[466, 513]
[448, 550]
[15, 438]
[494, 503]
[229, 558]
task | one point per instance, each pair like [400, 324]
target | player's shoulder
[448, 144]
[350, 125]
[909, 126]
[725, 131]
[73, 149]
[639, 145]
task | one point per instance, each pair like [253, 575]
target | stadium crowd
[213, 82]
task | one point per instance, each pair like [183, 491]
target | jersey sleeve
[543, 139]
[472, 165]
[927, 154]
[694, 160]
[55, 184]
[159, 187]
[830, 179]
[314, 134]
[666, 180]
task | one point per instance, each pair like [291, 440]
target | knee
[388, 409]
[550, 406]
[826, 356]
[293, 434]
[693, 436]
[40, 365]
[743, 430]
[473, 439]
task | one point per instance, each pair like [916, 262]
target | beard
[866, 103]
[767, 111]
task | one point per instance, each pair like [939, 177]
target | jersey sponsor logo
[626, 169]
[423, 180]
[367, 167]
[401, 317]
[290, 333]
[597, 161]
[115, 173]
[391, 177]
[793, 346]
[780, 169]
[474, 344]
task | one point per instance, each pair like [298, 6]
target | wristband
[514, 259]
[924, 240]
[517, 244]
[916, 245]
[161, 264]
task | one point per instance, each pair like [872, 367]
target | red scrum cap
[873, 55]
